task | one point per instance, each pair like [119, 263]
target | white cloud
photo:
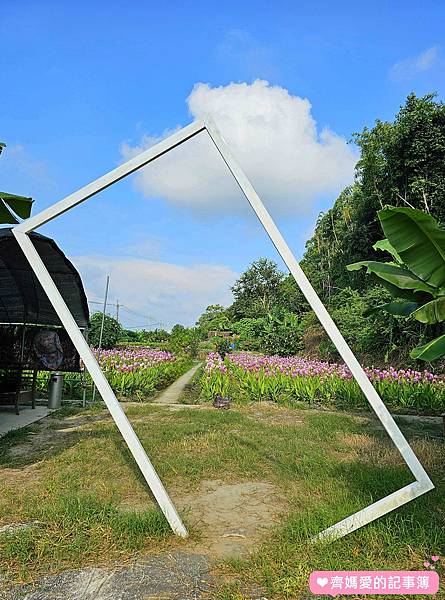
[276, 140]
[167, 292]
[409, 68]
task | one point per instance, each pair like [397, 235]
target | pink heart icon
[435, 558]
[426, 564]
[322, 581]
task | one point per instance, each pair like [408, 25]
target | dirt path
[172, 393]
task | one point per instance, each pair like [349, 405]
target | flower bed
[132, 372]
[127, 360]
[254, 377]
[138, 372]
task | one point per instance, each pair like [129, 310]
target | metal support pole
[83, 377]
[102, 328]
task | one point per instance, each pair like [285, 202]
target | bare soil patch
[273, 414]
[51, 434]
[232, 517]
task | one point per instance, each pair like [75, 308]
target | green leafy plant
[415, 277]
[282, 333]
[223, 346]
[249, 377]
[184, 340]
[13, 206]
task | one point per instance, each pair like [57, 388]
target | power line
[150, 320]
[101, 303]
[117, 305]
[159, 325]
[148, 317]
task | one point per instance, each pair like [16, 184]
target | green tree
[401, 163]
[130, 335]
[112, 332]
[257, 290]
[372, 339]
[223, 346]
[291, 298]
[184, 340]
[214, 318]
[278, 332]
[250, 332]
[341, 236]
[153, 336]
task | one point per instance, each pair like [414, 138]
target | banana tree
[13, 206]
[415, 277]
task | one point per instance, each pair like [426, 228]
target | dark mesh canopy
[22, 299]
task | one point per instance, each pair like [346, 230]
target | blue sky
[84, 87]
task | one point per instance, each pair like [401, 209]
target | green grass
[77, 530]
[192, 390]
[85, 489]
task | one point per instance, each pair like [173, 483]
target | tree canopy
[257, 290]
[214, 318]
[112, 332]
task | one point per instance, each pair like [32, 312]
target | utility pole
[117, 311]
[102, 327]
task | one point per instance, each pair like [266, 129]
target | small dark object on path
[221, 402]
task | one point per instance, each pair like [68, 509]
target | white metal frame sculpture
[375, 510]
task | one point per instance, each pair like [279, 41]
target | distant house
[216, 333]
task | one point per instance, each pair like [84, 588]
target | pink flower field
[137, 373]
[259, 377]
[130, 359]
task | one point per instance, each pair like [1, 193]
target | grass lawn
[74, 475]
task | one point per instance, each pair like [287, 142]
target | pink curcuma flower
[293, 366]
[127, 360]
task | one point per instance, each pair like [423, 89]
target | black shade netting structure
[31, 333]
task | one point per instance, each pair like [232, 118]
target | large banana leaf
[393, 274]
[385, 246]
[431, 312]
[10, 204]
[418, 240]
[430, 351]
[401, 309]
[418, 297]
